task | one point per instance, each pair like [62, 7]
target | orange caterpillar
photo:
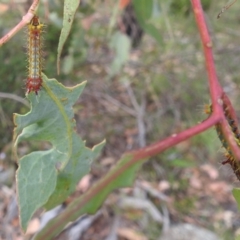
[35, 61]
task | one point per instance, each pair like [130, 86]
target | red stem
[25, 20]
[215, 88]
[216, 91]
[174, 139]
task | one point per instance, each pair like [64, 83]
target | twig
[166, 219]
[14, 97]
[25, 20]
[119, 104]
[132, 96]
[141, 124]
[152, 191]
[113, 231]
[226, 7]
[145, 204]
[140, 113]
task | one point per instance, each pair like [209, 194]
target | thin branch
[174, 139]
[14, 97]
[140, 113]
[115, 102]
[25, 20]
[132, 96]
[141, 123]
[226, 7]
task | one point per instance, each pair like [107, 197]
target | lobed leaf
[46, 178]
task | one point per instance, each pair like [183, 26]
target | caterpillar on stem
[230, 159]
[35, 58]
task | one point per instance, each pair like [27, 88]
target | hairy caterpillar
[235, 164]
[35, 60]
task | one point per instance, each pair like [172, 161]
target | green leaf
[68, 160]
[238, 237]
[181, 163]
[236, 195]
[68, 64]
[146, 11]
[69, 10]
[73, 172]
[122, 175]
[121, 44]
[143, 9]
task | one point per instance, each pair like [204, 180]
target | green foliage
[121, 44]
[181, 163]
[148, 13]
[46, 178]
[236, 194]
[237, 238]
[70, 8]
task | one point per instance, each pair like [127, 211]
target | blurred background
[146, 77]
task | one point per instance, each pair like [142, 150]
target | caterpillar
[232, 123]
[235, 164]
[35, 59]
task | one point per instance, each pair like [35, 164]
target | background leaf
[70, 8]
[68, 160]
[121, 44]
[146, 11]
[236, 194]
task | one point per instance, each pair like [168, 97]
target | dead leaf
[130, 234]
[84, 184]
[163, 185]
[195, 182]
[219, 187]
[210, 170]
[3, 8]
[107, 161]
[33, 226]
